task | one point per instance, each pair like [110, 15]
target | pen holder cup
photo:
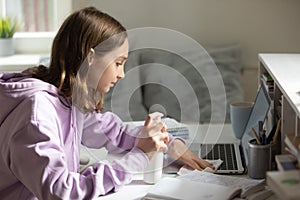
[261, 158]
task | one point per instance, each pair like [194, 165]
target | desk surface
[198, 133]
[134, 191]
[204, 132]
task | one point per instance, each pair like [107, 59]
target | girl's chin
[104, 90]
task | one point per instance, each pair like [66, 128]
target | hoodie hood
[15, 87]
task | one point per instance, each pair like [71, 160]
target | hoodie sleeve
[43, 155]
[39, 162]
[40, 149]
[108, 130]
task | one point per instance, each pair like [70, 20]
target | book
[286, 162]
[268, 83]
[262, 195]
[172, 188]
[293, 146]
[248, 186]
[176, 128]
[293, 142]
[285, 184]
[267, 77]
[204, 185]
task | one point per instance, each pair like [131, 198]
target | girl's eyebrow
[123, 57]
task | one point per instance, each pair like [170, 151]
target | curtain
[32, 15]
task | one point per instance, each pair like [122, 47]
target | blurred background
[258, 26]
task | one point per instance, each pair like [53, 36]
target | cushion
[191, 86]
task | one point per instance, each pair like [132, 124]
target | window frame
[39, 42]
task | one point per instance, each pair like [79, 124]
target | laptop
[235, 155]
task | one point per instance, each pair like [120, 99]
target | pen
[261, 132]
[277, 131]
[260, 126]
[263, 137]
[256, 135]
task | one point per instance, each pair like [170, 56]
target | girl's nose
[121, 73]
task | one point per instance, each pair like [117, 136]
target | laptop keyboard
[224, 152]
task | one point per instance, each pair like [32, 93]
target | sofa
[188, 85]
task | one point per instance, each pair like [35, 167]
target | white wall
[258, 25]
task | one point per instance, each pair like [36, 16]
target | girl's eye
[119, 64]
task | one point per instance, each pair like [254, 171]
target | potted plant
[8, 28]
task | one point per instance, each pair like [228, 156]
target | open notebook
[203, 185]
[177, 189]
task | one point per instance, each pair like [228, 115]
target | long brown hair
[82, 30]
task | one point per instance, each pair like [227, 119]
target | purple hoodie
[40, 136]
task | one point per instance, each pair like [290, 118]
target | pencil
[256, 136]
[277, 131]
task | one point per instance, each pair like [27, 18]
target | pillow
[229, 61]
[188, 95]
[157, 80]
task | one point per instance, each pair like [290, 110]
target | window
[32, 15]
[38, 21]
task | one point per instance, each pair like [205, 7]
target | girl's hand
[153, 136]
[178, 150]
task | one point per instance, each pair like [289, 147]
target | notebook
[235, 155]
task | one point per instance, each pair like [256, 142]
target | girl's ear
[91, 56]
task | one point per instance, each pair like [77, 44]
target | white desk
[210, 133]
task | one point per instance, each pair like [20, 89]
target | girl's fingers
[165, 137]
[193, 164]
[158, 127]
[147, 121]
[162, 136]
[153, 118]
[155, 130]
[154, 136]
[203, 164]
[159, 139]
[156, 115]
[163, 147]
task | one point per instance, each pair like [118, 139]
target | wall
[258, 25]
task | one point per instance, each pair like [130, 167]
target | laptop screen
[259, 112]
